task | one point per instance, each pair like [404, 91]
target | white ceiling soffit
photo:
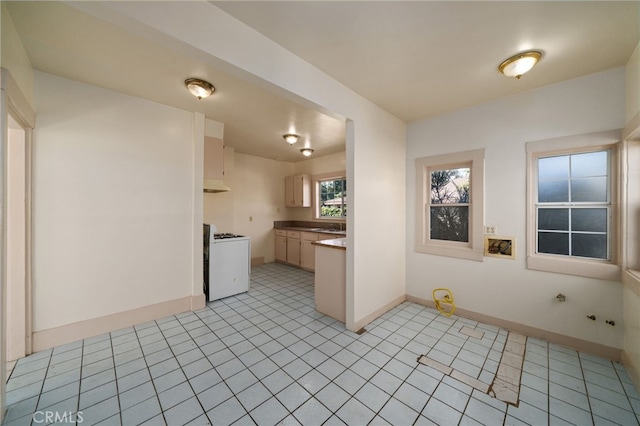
[64, 41]
[416, 59]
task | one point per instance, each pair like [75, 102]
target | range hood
[215, 185]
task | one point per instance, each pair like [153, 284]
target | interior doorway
[17, 241]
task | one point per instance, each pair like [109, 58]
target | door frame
[14, 103]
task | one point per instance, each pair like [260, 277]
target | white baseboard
[372, 316]
[93, 327]
[598, 349]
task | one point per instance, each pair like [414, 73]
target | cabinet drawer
[308, 236]
[281, 233]
[293, 234]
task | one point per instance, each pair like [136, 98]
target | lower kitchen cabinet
[308, 250]
[281, 246]
[293, 247]
[296, 248]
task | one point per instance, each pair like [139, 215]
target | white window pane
[589, 164]
[589, 245]
[553, 242]
[553, 191]
[592, 189]
[553, 219]
[551, 168]
[450, 223]
[450, 186]
[589, 220]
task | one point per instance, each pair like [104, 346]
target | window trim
[315, 179]
[472, 250]
[586, 267]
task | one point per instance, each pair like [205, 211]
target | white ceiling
[414, 59]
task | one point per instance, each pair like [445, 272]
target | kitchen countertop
[337, 243]
[316, 230]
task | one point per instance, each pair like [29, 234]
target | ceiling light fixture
[290, 138]
[306, 151]
[199, 88]
[519, 64]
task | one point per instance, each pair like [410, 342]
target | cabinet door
[213, 158]
[307, 255]
[302, 190]
[289, 197]
[281, 249]
[297, 190]
[293, 251]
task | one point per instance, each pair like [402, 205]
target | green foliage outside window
[333, 198]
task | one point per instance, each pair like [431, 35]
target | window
[450, 208]
[330, 196]
[574, 205]
[573, 198]
[449, 204]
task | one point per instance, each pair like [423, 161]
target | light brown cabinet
[293, 247]
[297, 190]
[213, 158]
[281, 246]
[308, 250]
[296, 248]
[330, 282]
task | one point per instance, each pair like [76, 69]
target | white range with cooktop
[229, 264]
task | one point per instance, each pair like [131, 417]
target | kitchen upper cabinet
[297, 189]
[213, 158]
[214, 165]
[281, 246]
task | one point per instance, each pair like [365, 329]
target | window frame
[316, 179]
[473, 249]
[607, 269]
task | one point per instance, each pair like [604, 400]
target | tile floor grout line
[80, 378]
[157, 394]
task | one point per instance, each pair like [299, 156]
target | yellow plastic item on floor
[443, 298]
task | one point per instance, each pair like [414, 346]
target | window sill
[331, 219]
[582, 268]
[457, 252]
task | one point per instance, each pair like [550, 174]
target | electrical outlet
[490, 229]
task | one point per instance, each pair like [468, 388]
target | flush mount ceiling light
[199, 88]
[306, 151]
[290, 138]
[519, 64]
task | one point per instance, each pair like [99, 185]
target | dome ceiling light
[290, 138]
[306, 151]
[199, 88]
[519, 64]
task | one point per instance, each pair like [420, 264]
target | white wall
[259, 201]
[505, 289]
[113, 203]
[375, 139]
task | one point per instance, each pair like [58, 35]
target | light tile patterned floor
[267, 357]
